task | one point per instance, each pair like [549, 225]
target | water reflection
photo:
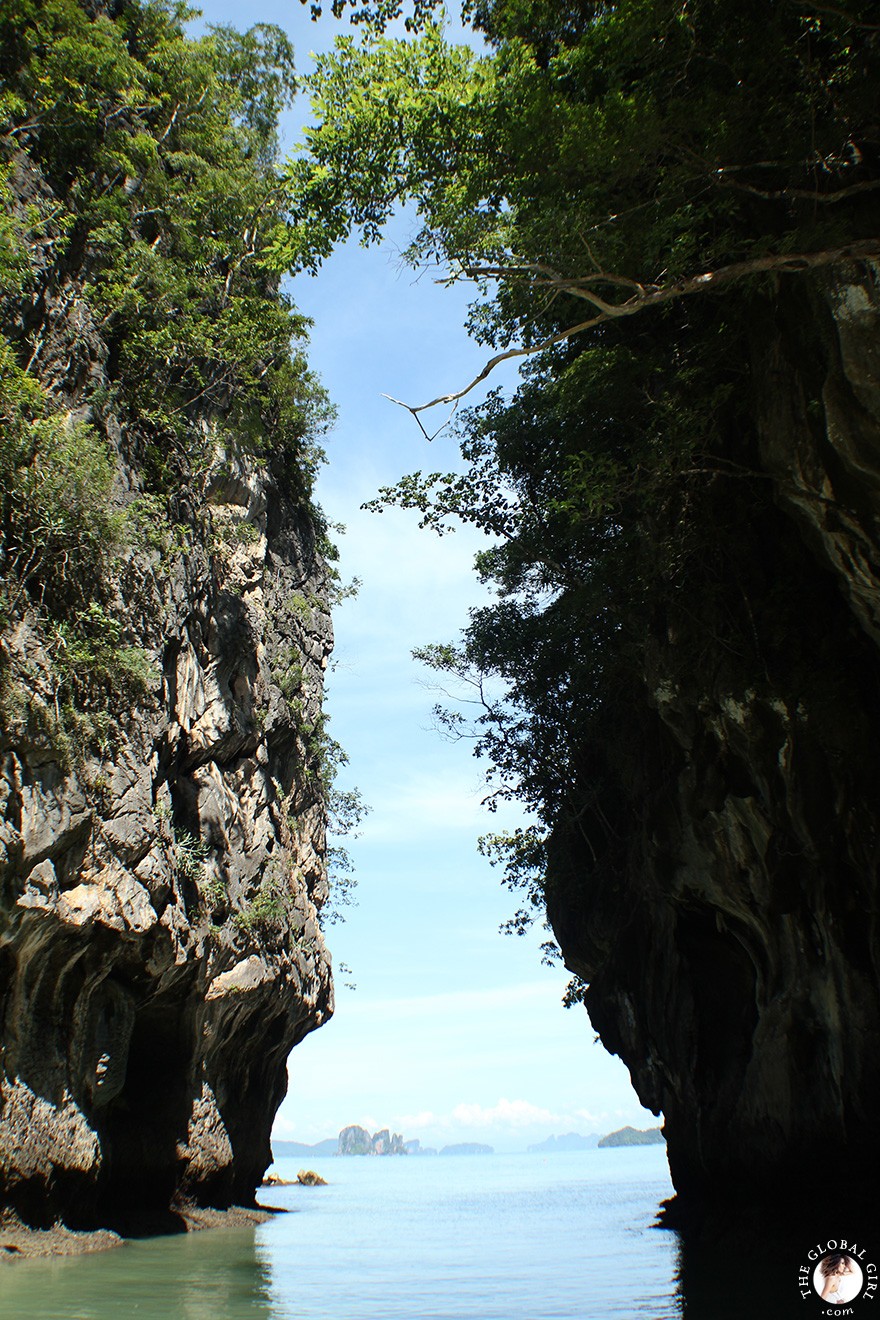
[750, 1273]
[512, 1238]
[216, 1275]
[248, 1274]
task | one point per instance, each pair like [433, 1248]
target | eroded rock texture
[725, 912]
[161, 876]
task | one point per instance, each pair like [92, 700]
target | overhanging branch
[644, 297]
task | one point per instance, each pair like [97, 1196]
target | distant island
[356, 1140]
[468, 1148]
[568, 1141]
[629, 1136]
[415, 1147]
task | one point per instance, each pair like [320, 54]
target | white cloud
[409, 577]
[588, 1116]
[422, 806]
[512, 1123]
[424, 1119]
[506, 1113]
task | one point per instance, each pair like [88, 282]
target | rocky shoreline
[18, 1241]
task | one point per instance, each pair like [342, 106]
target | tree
[624, 155]
[629, 156]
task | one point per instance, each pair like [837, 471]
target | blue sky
[454, 1032]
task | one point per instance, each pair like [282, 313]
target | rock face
[160, 952]
[308, 1178]
[727, 924]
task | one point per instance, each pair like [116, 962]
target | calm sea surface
[495, 1237]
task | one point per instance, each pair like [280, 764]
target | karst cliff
[164, 633]
[725, 909]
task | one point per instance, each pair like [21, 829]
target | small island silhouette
[630, 1136]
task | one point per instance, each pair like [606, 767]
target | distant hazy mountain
[415, 1147]
[569, 1141]
[468, 1148]
[629, 1136]
[281, 1149]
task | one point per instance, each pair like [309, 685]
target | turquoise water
[501, 1237]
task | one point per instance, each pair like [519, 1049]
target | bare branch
[551, 277]
[171, 122]
[806, 194]
[650, 296]
[416, 411]
[838, 13]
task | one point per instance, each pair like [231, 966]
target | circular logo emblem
[837, 1275]
[838, 1278]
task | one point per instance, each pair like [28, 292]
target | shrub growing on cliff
[58, 526]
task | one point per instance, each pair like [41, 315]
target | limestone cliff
[161, 953]
[729, 930]
[162, 813]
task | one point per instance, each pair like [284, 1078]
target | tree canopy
[614, 155]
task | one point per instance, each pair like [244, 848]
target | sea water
[490, 1237]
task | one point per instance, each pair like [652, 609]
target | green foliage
[325, 759]
[229, 536]
[213, 891]
[300, 607]
[640, 139]
[379, 13]
[139, 203]
[189, 856]
[599, 152]
[523, 856]
[288, 673]
[89, 649]
[389, 117]
[346, 810]
[59, 530]
[267, 911]
[163, 164]
[338, 591]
